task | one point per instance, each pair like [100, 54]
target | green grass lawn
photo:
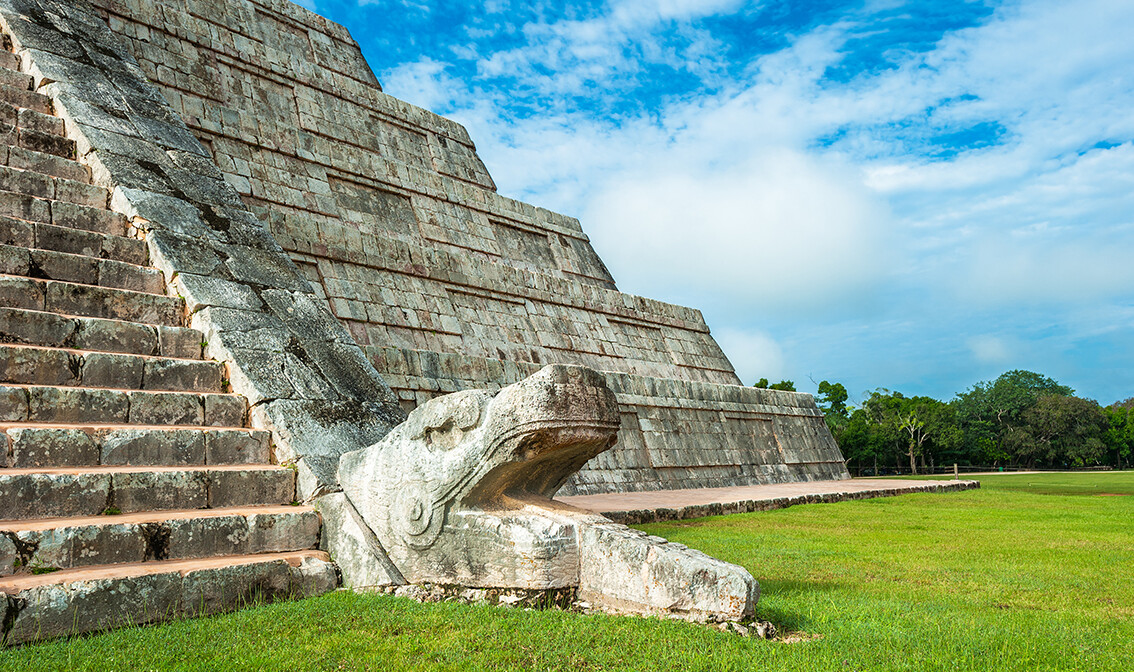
[1031, 572]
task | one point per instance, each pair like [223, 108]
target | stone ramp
[634, 508]
[131, 486]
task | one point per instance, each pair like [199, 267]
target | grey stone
[460, 493]
[57, 610]
[268, 268]
[117, 170]
[165, 408]
[247, 487]
[175, 253]
[236, 447]
[161, 490]
[51, 447]
[313, 434]
[161, 211]
[39, 495]
[352, 546]
[8, 560]
[203, 291]
[148, 447]
[102, 369]
[73, 78]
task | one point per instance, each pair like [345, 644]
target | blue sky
[911, 195]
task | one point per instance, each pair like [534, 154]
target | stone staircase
[131, 488]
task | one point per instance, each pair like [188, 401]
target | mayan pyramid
[228, 258]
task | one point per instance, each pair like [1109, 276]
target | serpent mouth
[544, 429]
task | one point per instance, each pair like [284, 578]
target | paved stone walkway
[645, 507]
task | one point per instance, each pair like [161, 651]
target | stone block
[235, 447]
[76, 405]
[222, 410]
[150, 447]
[102, 369]
[55, 610]
[137, 490]
[245, 487]
[38, 495]
[183, 375]
[362, 562]
[166, 408]
[179, 342]
[32, 447]
[217, 589]
[206, 291]
[115, 336]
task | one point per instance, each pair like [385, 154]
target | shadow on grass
[783, 591]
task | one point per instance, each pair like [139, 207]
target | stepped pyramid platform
[228, 258]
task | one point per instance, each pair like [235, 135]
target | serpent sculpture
[460, 494]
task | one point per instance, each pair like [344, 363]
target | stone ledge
[701, 510]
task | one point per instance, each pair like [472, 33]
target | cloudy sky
[911, 195]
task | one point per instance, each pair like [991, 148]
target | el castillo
[278, 361]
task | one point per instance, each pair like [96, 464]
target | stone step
[80, 269]
[12, 118]
[31, 446]
[89, 599]
[62, 213]
[52, 544]
[48, 187]
[92, 491]
[102, 406]
[33, 327]
[36, 365]
[47, 164]
[70, 298]
[37, 141]
[25, 98]
[17, 80]
[73, 241]
[9, 61]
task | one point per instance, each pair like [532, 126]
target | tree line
[1022, 420]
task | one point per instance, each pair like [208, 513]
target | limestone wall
[388, 211]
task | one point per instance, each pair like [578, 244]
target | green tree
[864, 441]
[1059, 430]
[785, 385]
[832, 399]
[1120, 431]
[990, 410]
[921, 426]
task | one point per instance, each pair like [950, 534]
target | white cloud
[723, 195]
[990, 350]
[780, 230]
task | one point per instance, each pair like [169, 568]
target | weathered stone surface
[460, 494]
[9, 559]
[88, 606]
[50, 447]
[147, 447]
[353, 546]
[625, 570]
[84, 602]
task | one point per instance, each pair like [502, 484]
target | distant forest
[1020, 420]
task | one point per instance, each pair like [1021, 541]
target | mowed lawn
[1031, 572]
